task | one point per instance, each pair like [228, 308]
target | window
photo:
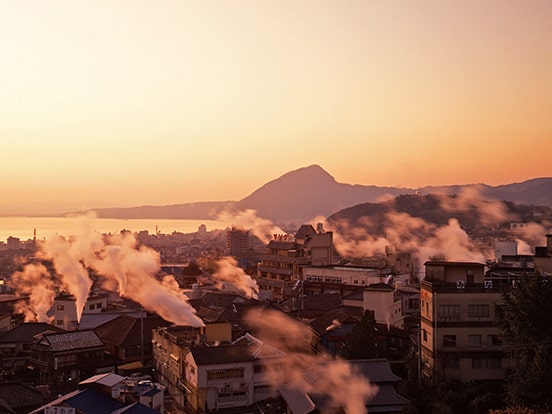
[470, 276]
[495, 340]
[449, 340]
[486, 363]
[474, 340]
[478, 311]
[91, 306]
[60, 307]
[425, 335]
[451, 363]
[59, 322]
[449, 312]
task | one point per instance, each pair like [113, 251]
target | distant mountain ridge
[300, 195]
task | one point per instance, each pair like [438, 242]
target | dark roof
[380, 286]
[304, 231]
[136, 408]
[27, 331]
[225, 354]
[19, 396]
[126, 329]
[323, 323]
[75, 340]
[321, 302]
[376, 370]
[90, 401]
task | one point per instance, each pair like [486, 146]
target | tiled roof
[225, 354]
[26, 332]
[20, 396]
[298, 401]
[73, 340]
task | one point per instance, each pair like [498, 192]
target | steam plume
[229, 272]
[318, 374]
[262, 228]
[34, 281]
[120, 266]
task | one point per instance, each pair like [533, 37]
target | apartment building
[460, 339]
[280, 268]
[543, 257]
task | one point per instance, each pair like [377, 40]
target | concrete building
[459, 337]
[382, 300]
[65, 310]
[280, 268]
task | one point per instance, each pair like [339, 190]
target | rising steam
[317, 374]
[119, 264]
[262, 228]
[229, 272]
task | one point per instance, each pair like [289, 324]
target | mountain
[413, 213]
[300, 195]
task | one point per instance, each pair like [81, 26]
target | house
[62, 359]
[128, 338]
[107, 394]
[18, 398]
[383, 300]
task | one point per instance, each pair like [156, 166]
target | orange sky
[140, 102]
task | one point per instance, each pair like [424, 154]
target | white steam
[318, 374]
[260, 227]
[120, 266]
[229, 272]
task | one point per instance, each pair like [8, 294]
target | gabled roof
[224, 354]
[69, 341]
[27, 331]
[126, 329]
[90, 401]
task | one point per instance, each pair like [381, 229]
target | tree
[525, 320]
[362, 341]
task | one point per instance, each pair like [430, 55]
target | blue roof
[90, 401]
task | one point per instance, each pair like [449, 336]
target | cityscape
[261, 207]
[401, 313]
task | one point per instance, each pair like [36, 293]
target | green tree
[362, 341]
[525, 319]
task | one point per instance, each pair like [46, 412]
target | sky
[136, 102]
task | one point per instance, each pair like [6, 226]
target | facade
[459, 337]
[65, 310]
[281, 266]
[232, 376]
[237, 242]
[543, 257]
[382, 300]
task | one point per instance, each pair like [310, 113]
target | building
[459, 337]
[543, 257]
[232, 376]
[237, 242]
[65, 310]
[280, 268]
[383, 300]
[64, 358]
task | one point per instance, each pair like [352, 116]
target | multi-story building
[231, 376]
[280, 268]
[237, 242]
[382, 300]
[460, 339]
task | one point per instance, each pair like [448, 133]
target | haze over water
[23, 227]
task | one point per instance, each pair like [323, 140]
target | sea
[24, 227]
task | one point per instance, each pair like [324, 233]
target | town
[229, 323]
